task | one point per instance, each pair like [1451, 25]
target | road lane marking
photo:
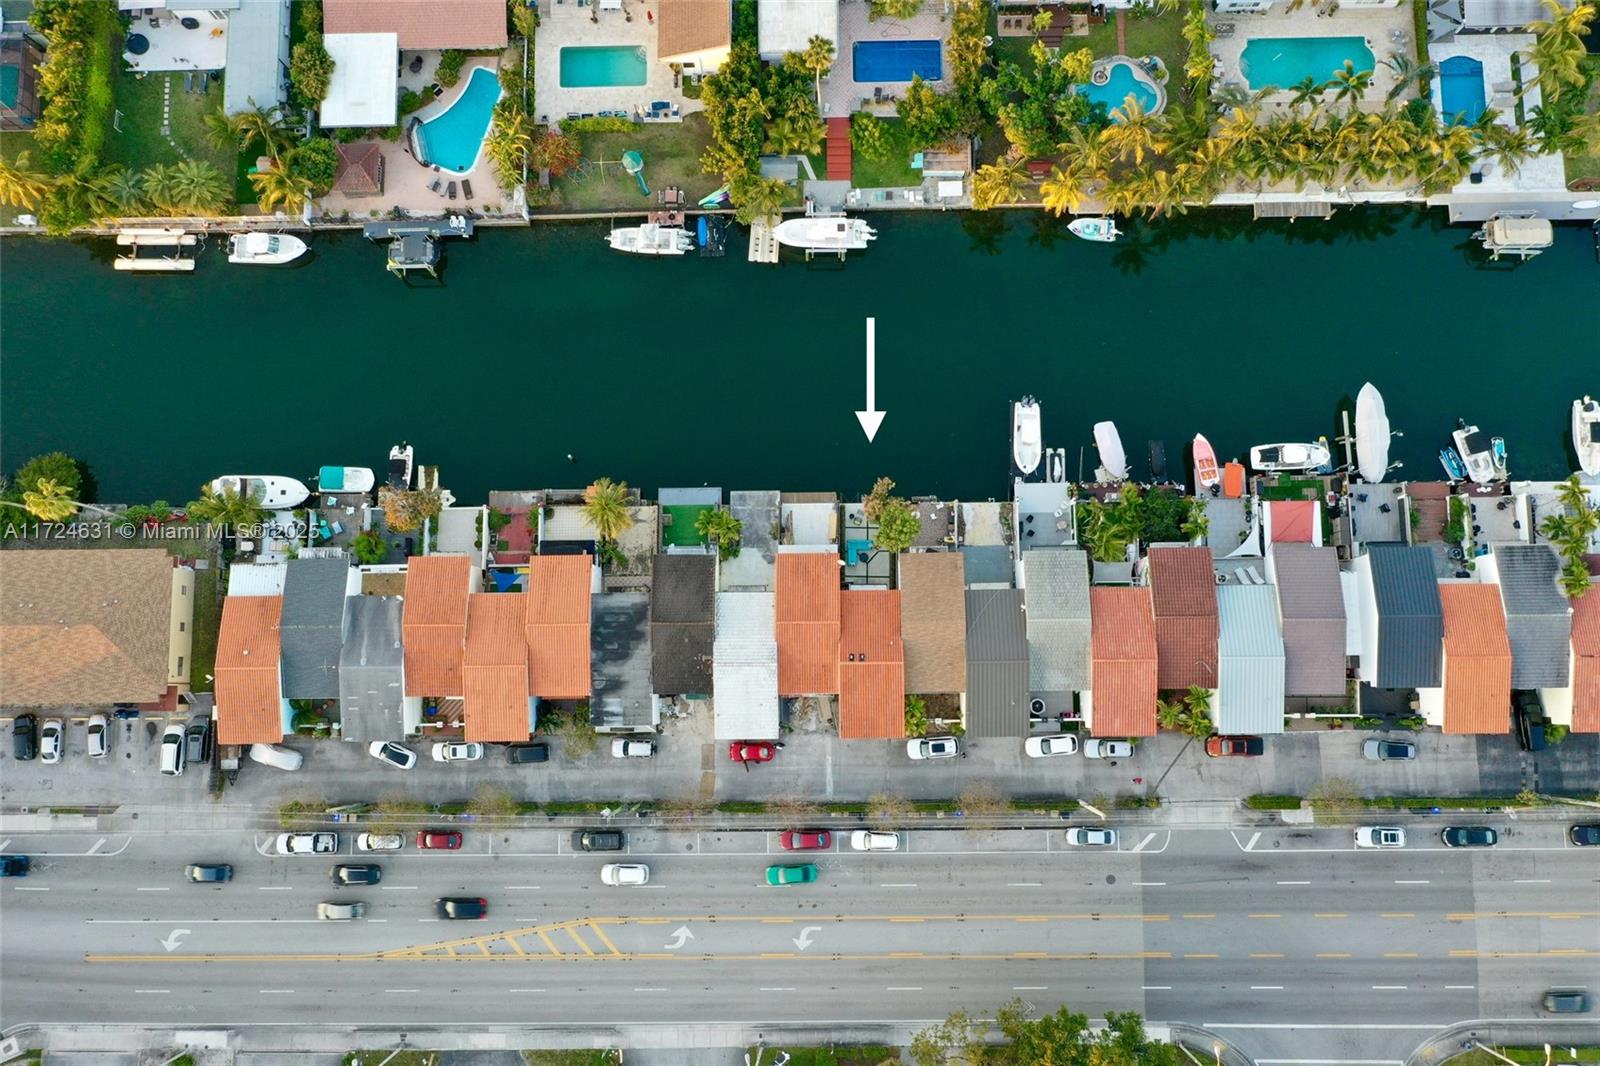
[1460, 988]
[649, 989]
[1252, 842]
[1532, 881]
[1333, 954]
[1294, 882]
[277, 992]
[1397, 914]
[1199, 915]
[1266, 988]
[524, 990]
[208, 921]
[1156, 988]
[1265, 955]
[1024, 884]
[1324, 1025]
[391, 991]
[1200, 956]
[1332, 914]
[1030, 988]
[274, 888]
[1266, 916]
[1388, 988]
[1413, 882]
[152, 991]
[904, 988]
[98, 844]
[152, 890]
[30, 888]
[1333, 1062]
[899, 884]
[1151, 884]
[522, 888]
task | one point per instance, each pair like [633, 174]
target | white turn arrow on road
[804, 940]
[680, 937]
[173, 939]
[871, 418]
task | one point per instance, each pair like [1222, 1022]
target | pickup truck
[308, 843]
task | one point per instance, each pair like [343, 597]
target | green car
[791, 875]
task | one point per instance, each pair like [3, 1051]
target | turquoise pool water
[607, 65]
[451, 139]
[1115, 91]
[1461, 96]
[896, 61]
[1283, 61]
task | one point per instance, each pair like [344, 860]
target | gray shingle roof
[619, 644]
[1311, 605]
[1057, 596]
[997, 664]
[1538, 616]
[1410, 618]
[1250, 660]
[682, 624]
[312, 629]
[372, 671]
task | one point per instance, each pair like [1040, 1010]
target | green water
[689, 371]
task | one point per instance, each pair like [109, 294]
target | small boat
[265, 249]
[1094, 229]
[1372, 434]
[400, 458]
[1586, 434]
[1454, 468]
[1272, 457]
[1027, 443]
[1232, 480]
[271, 491]
[1497, 455]
[650, 238]
[825, 234]
[702, 231]
[1206, 474]
[1478, 453]
[1113, 460]
[719, 198]
[345, 479]
[1158, 460]
[1056, 465]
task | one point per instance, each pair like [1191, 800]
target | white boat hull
[265, 249]
[345, 479]
[1477, 455]
[826, 234]
[275, 493]
[1027, 443]
[1103, 230]
[1113, 460]
[1586, 434]
[401, 457]
[1372, 434]
[1273, 457]
[651, 239]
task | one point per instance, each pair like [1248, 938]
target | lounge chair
[466, 188]
[452, 190]
[435, 187]
[337, 527]
[416, 65]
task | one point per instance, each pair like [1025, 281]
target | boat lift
[1520, 233]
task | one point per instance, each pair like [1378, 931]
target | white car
[1044, 747]
[393, 754]
[379, 842]
[1084, 837]
[308, 843]
[1380, 836]
[868, 840]
[1107, 749]
[99, 743]
[276, 755]
[619, 874]
[933, 747]
[627, 748]
[172, 751]
[338, 911]
[457, 751]
[50, 740]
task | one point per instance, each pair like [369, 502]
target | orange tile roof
[807, 596]
[495, 669]
[1477, 660]
[1293, 521]
[872, 668]
[557, 621]
[249, 696]
[1586, 662]
[1122, 672]
[422, 24]
[433, 622]
[1183, 595]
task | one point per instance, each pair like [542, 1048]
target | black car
[14, 865]
[1528, 718]
[518, 754]
[1469, 836]
[209, 873]
[597, 840]
[198, 736]
[463, 908]
[24, 737]
[1567, 1001]
[356, 874]
[1585, 836]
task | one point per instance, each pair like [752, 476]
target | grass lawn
[840, 1056]
[1160, 35]
[583, 1057]
[892, 171]
[1532, 1056]
[671, 157]
[1587, 165]
[140, 142]
[207, 621]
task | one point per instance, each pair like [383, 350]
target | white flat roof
[366, 76]
[788, 25]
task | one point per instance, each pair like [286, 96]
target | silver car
[340, 911]
[1388, 750]
[1085, 837]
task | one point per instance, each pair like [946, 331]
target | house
[784, 26]
[694, 34]
[1250, 661]
[94, 626]
[1399, 618]
[933, 622]
[997, 663]
[1475, 696]
[434, 624]
[363, 91]
[313, 624]
[560, 588]
[494, 669]
[257, 73]
[744, 666]
[872, 665]
[246, 40]
[1183, 596]
[807, 605]
[1538, 616]
[620, 652]
[21, 53]
[372, 700]
[1056, 591]
[251, 706]
[1579, 709]
[360, 170]
[1312, 618]
[1121, 701]
[422, 25]
[682, 624]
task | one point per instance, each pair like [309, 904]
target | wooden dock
[763, 243]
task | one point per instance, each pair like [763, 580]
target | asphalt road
[1291, 943]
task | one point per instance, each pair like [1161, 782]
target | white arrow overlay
[680, 937]
[871, 418]
[803, 941]
[173, 939]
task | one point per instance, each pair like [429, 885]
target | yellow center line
[1199, 915]
[1200, 956]
[777, 954]
[1022, 919]
[1333, 915]
[1397, 914]
[650, 921]
[908, 919]
[777, 921]
[1400, 955]
[905, 954]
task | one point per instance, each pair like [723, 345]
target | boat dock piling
[763, 241]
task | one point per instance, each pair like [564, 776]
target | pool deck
[566, 25]
[841, 95]
[1387, 30]
[1540, 172]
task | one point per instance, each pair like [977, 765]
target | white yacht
[1484, 456]
[1268, 457]
[649, 238]
[1113, 460]
[1027, 442]
[345, 479]
[1372, 434]
[825, 234]
[265, 249]
[1586, 434]
[271, 491]
[401, 457]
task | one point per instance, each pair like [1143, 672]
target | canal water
[536, 345]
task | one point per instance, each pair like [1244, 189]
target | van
[273, 755]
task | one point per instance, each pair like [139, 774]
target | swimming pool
[891, 61]
[1461, 97]
[603, 66]
[451, 139]
[1283, 61]
[1123, 80]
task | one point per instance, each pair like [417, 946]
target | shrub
[1269, 802]
[317, 160]
[369, 548]
[411, 101]
[310, 71]
[558, 150]
[597, 125]
[916, 716]
[869, 137]
[450, 66]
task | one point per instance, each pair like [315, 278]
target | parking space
[129, 773]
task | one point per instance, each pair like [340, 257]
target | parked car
[98, 744]
[805, 840]
[209, 873]
[457, 751]
[336, 911]
[1388, 750]
[597, 840]
[357, 873]
[1244, 747]
[745, 751]
[24, 737]
[1469, 836]
[439, 840]
[276, 755]
[522, 754]
[1584, 836]
[1380, 836]
[631, 748]
[933, 747]
[1047, 747]
[1107, 749]
[308, 843]
[1082, 836]
[620, 874]
[1566, 1001]
[869, 840]
[52, 739]
[463, 908]
[379, 842]
[802, 874]
[200, 738]
[393, 754]
[1528, 717]
[14, 865]
[172, 751]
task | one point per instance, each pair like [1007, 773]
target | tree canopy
[1059, 1039]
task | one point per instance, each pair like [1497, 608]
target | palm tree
[1306, 91]
[277, 189]
[817, 60]
[227, 508]
[49, 501]
[1063, 191]
[1187, 127]
[158, 186]
[1508, 146]
[1132, 132]
[197, 187]
[259, 124]
[1350, 83]
[1169, 713]
[20, 185]
[1408, 71]
[719, 527]
[792, 134]
[126, 188]
[509, 145]
[1560, 62]
[605, 507]
[83, 193]
[999, 182]
[1085, 151]
[220, 128]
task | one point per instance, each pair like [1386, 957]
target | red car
[806, 840]
[442, 839]
[744, 751]
[1246, 747]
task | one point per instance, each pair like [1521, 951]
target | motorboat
[1206, 474]
[1113, 460]
[1372, 434]
[265, 249]
[345, 479]
[1027, 441]
[1273, 457]
[650, 238]
[834, 233]
[1094, 229]
[1454, 468]
[271, 491]
[1483, 456]
[1233, 480]
[1586, 434]
[400, 460]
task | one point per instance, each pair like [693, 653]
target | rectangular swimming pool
[1283, 61]
[603, 66]
[1461, 95]
[883, 62]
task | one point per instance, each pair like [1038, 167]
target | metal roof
[997, 664]
[1311, 606]
[257, 56]
[620, 648]
[1250, 661]
[313, 626]
[1538, 616]
[372, 671]
[745, 666]
[1057, 596]
[1410, 619]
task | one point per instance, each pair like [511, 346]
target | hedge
[1269, 802]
